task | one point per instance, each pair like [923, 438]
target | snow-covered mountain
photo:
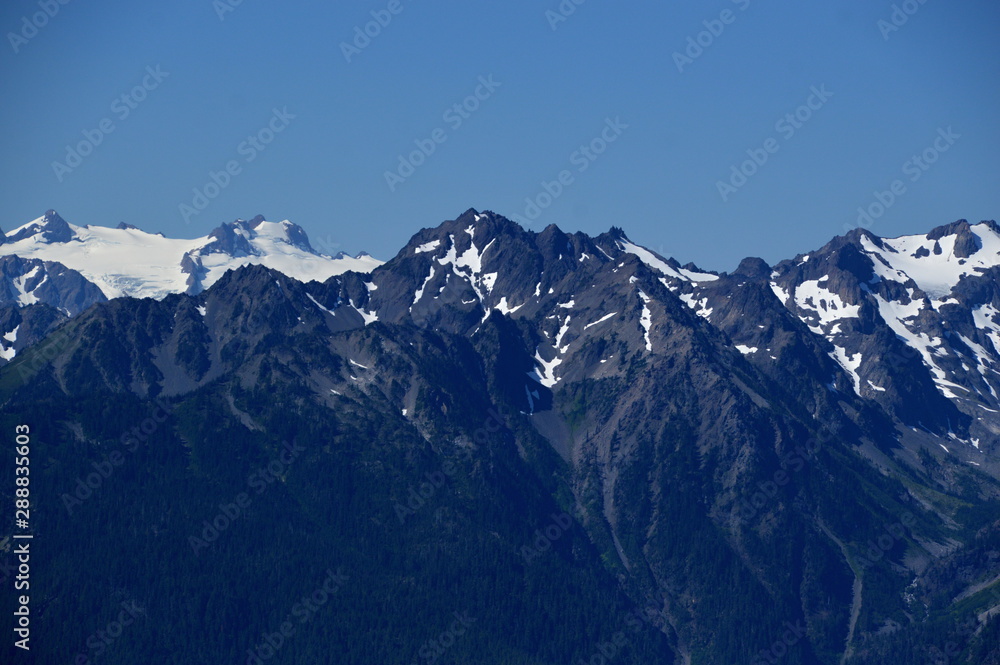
[127, 261]
[822, 434]
[911, 323]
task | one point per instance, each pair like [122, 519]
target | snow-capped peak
[49, 228]
[936, 262]
[127, 261]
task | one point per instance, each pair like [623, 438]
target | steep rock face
[29, 281]
[910, 322]
[21, 327]
[48, 228]
[734, 453]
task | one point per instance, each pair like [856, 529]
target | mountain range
[127, 261]
[594, 452]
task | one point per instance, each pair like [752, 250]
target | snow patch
[600, 320]
[504, 308]
[559, 336]
[780, 293]
[316, 302]
[420, 292]
[850, 365]
[427, 247]
[646, 320]
[662, 266]
[547, 376]
[824, 305]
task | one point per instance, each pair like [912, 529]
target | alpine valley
[502, 447]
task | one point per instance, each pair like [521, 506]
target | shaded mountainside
[556, 447]
[29, 281]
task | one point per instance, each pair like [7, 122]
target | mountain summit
[127, 261]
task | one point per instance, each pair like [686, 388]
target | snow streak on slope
[656, 263]
[896, 315]
[646, 320]
[850, 365]
[985, 317]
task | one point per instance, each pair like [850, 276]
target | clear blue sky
[326, 169]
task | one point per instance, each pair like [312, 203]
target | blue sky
[679, 126]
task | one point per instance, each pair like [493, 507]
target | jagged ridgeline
[503, 446]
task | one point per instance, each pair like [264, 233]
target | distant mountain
[593, 450]
[126, 261]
